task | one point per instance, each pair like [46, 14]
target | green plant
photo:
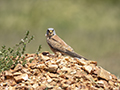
[10, 57]
[39, 48]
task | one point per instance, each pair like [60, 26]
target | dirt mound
[48, 72]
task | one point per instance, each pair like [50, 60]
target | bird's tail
[73, 54]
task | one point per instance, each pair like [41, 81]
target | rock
[102, 84]
[53, 75]
[114, 77]
[8, 74]
[64, 86]
[49, 80]
[35, 85]
[89, 77]
[36, 71]
[88, 68]
[81, 62]
[12, 82]
[80, 73]
[45, 53]
[49, 72]
[43, 87]
[104, 74]
[44, 57]
[32, 65]
[41, 66]
[2, 78]
[22, 77]
[96, 70]
[52, 68]
[12, 88]
[4, 84]
[48, 86]
[17, 73]
[25, 70]
[30, 58]
[17, 68]
[93, 62]
[64, 69]
[111, 83]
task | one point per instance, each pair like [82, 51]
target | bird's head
[50, 32]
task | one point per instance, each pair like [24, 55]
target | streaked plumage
[58, 45]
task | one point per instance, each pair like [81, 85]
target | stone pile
[48, 72]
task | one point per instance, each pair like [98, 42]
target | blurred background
[91, 27]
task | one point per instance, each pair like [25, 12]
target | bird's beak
[51, 31]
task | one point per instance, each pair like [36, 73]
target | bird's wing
[58, 44]
[60, 41]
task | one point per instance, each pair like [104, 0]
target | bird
[58, 46]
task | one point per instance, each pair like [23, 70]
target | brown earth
[48, 72]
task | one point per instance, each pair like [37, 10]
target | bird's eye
[48, 32]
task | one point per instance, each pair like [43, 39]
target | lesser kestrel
[57, 45]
